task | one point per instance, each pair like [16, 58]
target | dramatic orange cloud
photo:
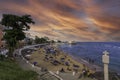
[79, 20]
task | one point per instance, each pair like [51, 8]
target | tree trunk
[11, 49]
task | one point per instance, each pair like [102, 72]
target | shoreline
[92, 67]
[98, 66]
[37, 56]
[89, 65]
[81, 61]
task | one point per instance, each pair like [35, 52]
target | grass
[10, 70]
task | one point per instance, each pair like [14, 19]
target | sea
[94, 51]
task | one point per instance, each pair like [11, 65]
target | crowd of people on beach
[51, 54]
[53, 51]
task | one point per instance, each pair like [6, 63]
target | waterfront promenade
[28, 66]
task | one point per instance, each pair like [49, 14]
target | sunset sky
[79, 20]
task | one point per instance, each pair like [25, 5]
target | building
[1, 34]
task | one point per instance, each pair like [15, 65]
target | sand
[39, 57]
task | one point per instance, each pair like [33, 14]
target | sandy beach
[48, 58]
[60, 61]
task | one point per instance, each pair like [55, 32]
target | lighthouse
[105, 60]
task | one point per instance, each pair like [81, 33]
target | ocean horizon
[94, 51]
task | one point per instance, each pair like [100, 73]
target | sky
[69, 20]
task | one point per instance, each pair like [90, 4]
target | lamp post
[105, 60]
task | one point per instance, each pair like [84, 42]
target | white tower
[105, 60]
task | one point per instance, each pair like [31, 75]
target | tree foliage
[15, 26]
[17, 22]
[41, 40]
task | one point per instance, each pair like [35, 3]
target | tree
[17, 22]
[47, 38]
[41, 40]
[16, 25]
[59, 41]
[37, 39]
[28, 41]
[52, 41]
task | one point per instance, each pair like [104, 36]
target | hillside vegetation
[10, 70]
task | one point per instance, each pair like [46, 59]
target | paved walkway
[69, 76]
[22, 63]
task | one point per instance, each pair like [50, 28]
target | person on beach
[80, 76]
[34, 63]
[62, 70]
[84, 72]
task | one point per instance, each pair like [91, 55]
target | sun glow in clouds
[79, 20]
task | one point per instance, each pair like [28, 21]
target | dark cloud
[81, 20]
[15, 1]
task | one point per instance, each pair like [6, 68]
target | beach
[60, 60]
[94, 51]
[52, 58]
[93, 67]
